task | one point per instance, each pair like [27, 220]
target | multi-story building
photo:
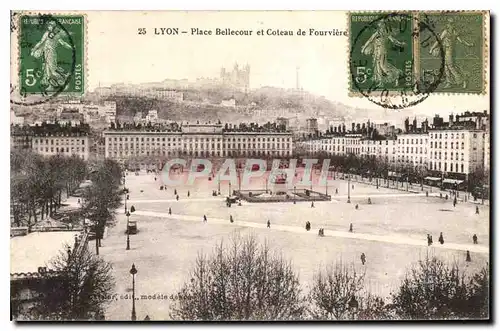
[381, 149]
[20, 137]
[353, 143]
[487, 150]
[452, 149]
[456, 150]
[412, 150]
[52, 139]
[198, 140]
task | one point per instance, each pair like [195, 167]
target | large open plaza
[391, 231]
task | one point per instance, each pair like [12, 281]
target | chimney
[353, 126]
[450, 121]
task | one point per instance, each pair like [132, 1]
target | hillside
[204, 104]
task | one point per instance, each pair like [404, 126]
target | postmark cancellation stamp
[51, 55]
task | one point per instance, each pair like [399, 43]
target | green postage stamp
[414, 54]
[51, 54]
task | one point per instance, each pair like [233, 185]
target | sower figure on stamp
[46, 48]
[378, 46]
[450, 38]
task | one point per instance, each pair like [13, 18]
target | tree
[242, 281]
[80, 286]
[435, 290]
[332, 290]
[103, 197]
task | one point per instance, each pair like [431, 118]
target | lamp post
[348, 188]
[267, 179]
[128, 232]
[125, 194]
[133, 271]
[218, 180]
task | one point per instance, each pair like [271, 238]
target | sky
[117, 53]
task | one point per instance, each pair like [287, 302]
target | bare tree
[77, 288]
[242, 281]
[332, 291]
[433, 289]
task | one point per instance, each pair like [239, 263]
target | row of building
[458, 146]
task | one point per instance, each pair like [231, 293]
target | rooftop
[37, 249]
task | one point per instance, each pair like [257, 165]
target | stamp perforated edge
[416, 49]
[351, 90]
[16, 54]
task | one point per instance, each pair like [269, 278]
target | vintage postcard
[250, 166]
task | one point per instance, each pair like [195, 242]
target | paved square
[391, 232]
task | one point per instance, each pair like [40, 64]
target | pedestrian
[477, 210]
[474, 239]
[350, 227]
[454, 202]
[363, 258]
[177, 197]
[312, 204]
[155, 179]
[441, 239]
[446, 197]
[231, 218]
[268, 223]
[189, 194]
[170, 211]
[357, 207]
[429, 240]
[440, 195]
[205, 218]
[353, 186]
[426, 193]
[336, 191]
[175, 191]
[369, 201]
[467, 257]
